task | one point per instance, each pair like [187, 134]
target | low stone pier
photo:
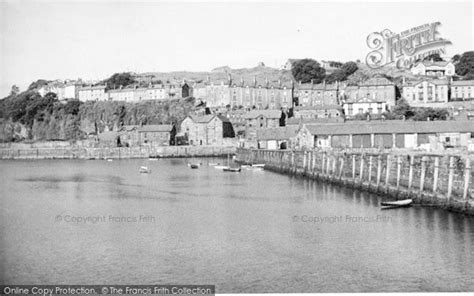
[441, 180]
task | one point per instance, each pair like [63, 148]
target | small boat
[233, 170]
[193, 166]
[110, 159]
[214, 163]
[144, 170]
[221, 167]
[152, 158]
[397, 203]
[258, 165]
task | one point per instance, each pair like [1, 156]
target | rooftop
[389, 127]
[265, 113]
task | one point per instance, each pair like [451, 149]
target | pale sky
[94, 39]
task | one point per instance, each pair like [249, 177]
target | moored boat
[397, 203]
[144, 170]
[232, 170]
[194, 166]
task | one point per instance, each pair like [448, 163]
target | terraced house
[426, 93]
[462, 90]
[258, 93]
[374, 96]
[310, 94]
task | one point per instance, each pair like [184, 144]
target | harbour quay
[430, 179]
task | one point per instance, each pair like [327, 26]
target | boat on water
[110, 159]
[397, 203]
[258, 165]
[214, 163]
[232, 170]
[194, 166]
[221, 167]
[144, 170]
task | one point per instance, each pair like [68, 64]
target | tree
[349, 68]
[403, 109]
[120, 79]
[72, 107]
[15, 90]
[306, 70]
[466, 64]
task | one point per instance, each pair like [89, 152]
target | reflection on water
[248, 232]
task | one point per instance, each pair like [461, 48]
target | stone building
[310, 94]
[462, 90]
[386, 134]
[156, 134]
[206, 130]
[259, 119]
[375, 95]
[426, 93]
[431, 68]
[315, 112]
[93, 93]
[257, 93]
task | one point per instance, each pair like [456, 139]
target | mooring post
[450, 177]
[341, 169]
[353, 167]
[323, 163]
[361, 173]
[379, 169]
[410, 173]
[387, 173]
[399, 170]
[334, 165]
[305, 155]
[328, 165]
[435, 174]
[424, 159]
[467, 176]
[370, 169]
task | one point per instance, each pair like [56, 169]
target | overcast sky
[92, 40]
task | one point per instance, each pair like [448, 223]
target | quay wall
[115, 153]
[439, 180]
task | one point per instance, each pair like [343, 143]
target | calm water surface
[246, 232]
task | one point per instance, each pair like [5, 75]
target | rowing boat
[397, 203]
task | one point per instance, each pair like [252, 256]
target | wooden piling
[467, 176]
[423, 173]
[399, 170]
[379, 169]
[410, 173]
[436, 174]
[450, 177]
[387, 173]
[353, 167]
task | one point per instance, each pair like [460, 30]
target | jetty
[430, 179]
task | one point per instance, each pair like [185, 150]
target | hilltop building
[431, 68]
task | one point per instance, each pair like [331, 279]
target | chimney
[255, 80]
[229, 78]
[242, 80]
[279, 83]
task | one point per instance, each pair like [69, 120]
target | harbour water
[100, 222]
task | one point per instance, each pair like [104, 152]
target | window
[361, 110]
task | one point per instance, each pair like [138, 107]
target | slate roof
[207, 118]
[389, 127]
[277, 133]
[161, 128]
[319, 107]
[297, 121]
[265, 113]
[463, 83]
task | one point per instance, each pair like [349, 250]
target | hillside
[217, 75]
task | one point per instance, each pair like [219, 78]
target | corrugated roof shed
[388, 127]
[277, 133]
